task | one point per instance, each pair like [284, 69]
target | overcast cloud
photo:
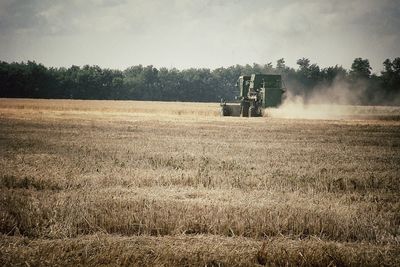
[188, 33]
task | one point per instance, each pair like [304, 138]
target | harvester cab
[256, 93]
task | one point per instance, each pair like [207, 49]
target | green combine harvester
[257, 92]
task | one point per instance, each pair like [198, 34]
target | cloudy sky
[203, 33]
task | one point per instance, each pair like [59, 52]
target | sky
[188, 33]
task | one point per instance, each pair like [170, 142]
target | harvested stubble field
[173, 184]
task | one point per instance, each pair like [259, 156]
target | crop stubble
[148, 183]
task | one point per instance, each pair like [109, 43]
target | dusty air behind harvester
[256, 93]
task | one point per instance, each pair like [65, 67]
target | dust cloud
[333, 102]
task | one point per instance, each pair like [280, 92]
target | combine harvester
[257, 92]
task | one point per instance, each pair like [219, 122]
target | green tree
[390, 78]
[360, 69]
[303, 63]
[280, 65]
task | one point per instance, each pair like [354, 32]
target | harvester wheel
[244, 110]
[259, 112]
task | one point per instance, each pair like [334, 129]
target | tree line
[33, 80]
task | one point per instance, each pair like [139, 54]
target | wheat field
[130, 183]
